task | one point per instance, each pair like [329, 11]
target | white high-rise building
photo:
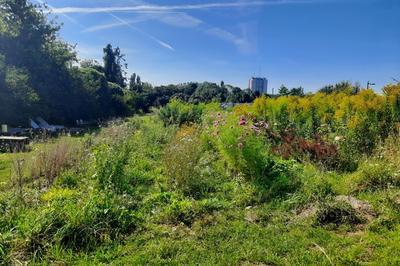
[258, 85]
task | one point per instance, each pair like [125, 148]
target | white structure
[258, 84]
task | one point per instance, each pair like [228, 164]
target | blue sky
[306, 43]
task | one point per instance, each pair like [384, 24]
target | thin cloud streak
[242, 42]
[63, 14]
[160, 42]
[176, 19]
[113, 25]
[155, 8]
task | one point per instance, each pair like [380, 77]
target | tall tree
[283, 90]
[114, 65]
[109, 63]
[135, 84]
[297, 91]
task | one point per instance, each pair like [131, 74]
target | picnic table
[13, 144]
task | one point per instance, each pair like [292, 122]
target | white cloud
[174, 15]
[100, 27]
[71, 19]
[176, 19]
[241, 42]
[160, 42]
[164, 44]
[158, 8]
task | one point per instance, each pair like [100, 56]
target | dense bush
[110, 162]
[262, 181]
[177, 113]
[375, 176]
[333, 130]
[187, 164]
[247, 152]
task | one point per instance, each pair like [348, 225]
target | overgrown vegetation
[272, 182]
[301, 179]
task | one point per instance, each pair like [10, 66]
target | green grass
[129, 201]
[5, 169]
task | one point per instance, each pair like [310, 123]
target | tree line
[40, 76]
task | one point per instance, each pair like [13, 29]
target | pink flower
[242, 121]
[240, 145]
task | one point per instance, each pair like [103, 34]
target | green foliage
[190, 168]
[214, 191]
[50, 86]
[374, 176]
[177, 113]
[344, 87]
[282, 118]
[75, 222]
[113, 65]
[208, 92]
[67, 179]
[181, 211]
[281, 180]
[110, 167]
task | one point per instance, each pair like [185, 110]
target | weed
[179, 113]
[189, 168]
[375, 176]
[337, 213]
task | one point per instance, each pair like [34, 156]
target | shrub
[242, 149]
[68, 179]
[316, 150]
[188, 166]
[365, 134]
[246, 152]
[110, 163]
[181, 211]
[375, 176]
[177, 113]
[280, 179]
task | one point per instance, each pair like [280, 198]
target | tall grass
[169, 189]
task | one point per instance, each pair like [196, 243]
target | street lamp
[370, 84]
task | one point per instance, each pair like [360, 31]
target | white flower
[338, 138]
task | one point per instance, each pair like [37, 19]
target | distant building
[259, 85]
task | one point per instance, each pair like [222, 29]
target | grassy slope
[269, 233]
[226, 231]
